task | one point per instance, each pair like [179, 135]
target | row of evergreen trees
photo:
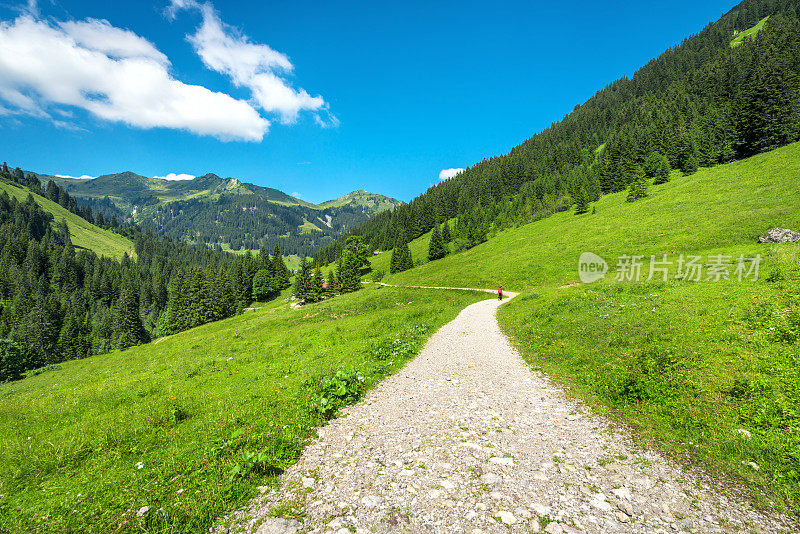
[437, 248]
[200, 295]
[58, 302]
[311, 286]
[700, 103]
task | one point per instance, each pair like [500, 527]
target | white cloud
[446, 174]
[101, 36]
[297, 195]
[84, 177]
[257, 67]
[172, 176]
[113, 74]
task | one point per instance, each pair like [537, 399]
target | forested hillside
[700, 103]
[61, 302]
[214, 211]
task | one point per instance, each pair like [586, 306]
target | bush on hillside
[13, 361]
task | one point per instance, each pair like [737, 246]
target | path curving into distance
[467, 438]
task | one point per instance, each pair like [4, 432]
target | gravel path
[467, 438]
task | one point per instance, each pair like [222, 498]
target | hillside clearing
[749, 33]
[83, 233]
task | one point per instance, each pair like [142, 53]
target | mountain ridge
[229, 212]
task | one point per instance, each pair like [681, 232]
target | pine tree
[436, 248]
[401, 255]
[581, 202]
[446, 236]
[638, 187]
[303, 280]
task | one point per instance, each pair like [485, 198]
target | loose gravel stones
[467, 438]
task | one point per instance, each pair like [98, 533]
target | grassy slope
[725, 206]
[307, 227]
[686, 363]
[190, 407]
[83, 233]
[749, 33]
[362, 198]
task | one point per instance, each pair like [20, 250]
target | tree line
[59, 302]
[700, 103]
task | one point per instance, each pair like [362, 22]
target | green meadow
[83, 233]
[723, 207]
[749, 33]
[707, 370]
[190, 425]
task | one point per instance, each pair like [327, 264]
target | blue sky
[316, 98]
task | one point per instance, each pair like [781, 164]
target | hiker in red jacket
[500, 293]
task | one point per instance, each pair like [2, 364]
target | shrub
[337, 391]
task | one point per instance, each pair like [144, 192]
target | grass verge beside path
[190, 426]
[709, 370]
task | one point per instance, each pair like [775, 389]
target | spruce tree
[279, 267]
[581, 202]
[689, 165]
[651, 164]
[401, 255]
[350, 267]
[446, 236]
[264, 261]
[662, 172]
[303, 280]
[332, 282]
[264, 285]
[315, 288]
[129, 323]
[436, 248]
[638, 187]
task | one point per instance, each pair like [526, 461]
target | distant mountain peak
[361, 197]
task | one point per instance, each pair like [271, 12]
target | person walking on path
[500, 293]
